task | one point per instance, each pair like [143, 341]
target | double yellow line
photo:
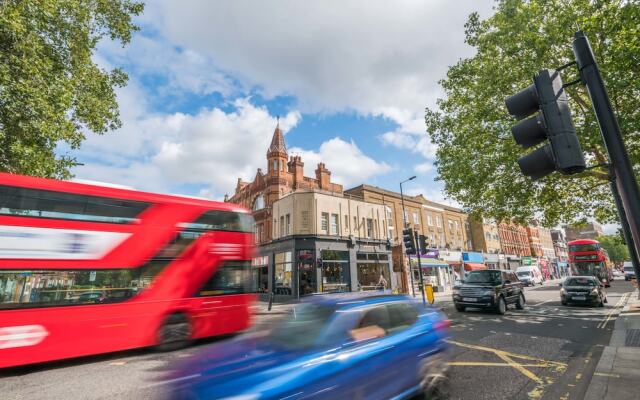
[609, 316]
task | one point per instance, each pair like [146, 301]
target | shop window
[260, 273]
[306, 272]
[283, 270]
[335, 271]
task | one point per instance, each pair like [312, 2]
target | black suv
[491, 288]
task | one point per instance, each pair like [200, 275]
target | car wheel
[434, 381]
[174, 333]
[501, 307]
[520, 303]
[460, 308]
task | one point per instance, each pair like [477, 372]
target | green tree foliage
[615, 246]
[477, 155]
[51, 91]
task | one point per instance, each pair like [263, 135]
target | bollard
[271, 296]
[428, 290]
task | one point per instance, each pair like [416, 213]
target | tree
[476, 156]
[51, 91]
[615, 247]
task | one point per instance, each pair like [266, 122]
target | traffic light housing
[409, 242]
[422, 242]
[552, 120]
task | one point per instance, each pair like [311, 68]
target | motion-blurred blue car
[331, 347]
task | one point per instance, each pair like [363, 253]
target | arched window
[258, 203]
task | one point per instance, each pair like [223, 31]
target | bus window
[232, 277]
[222, 221]
[41, 288]
[584, 247]
[38, 203]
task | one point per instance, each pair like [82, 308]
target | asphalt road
[546, 351]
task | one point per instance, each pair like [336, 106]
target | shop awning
[474, 266]
[429, 263]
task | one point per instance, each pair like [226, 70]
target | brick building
[590, 230]
[514, 242]
[312, 239]
[284, 175]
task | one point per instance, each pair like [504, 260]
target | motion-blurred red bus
[88, 269]
[587, 257]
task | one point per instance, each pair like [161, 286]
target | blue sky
[349, 81]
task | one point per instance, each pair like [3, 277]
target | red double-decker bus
[587, 257]
[88, 269]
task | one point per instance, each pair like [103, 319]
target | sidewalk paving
[618, 370]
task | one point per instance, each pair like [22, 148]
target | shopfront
[370, 266]
[301, 266]
[436, 273]
[335, 274]
[492, 261]
[513, 262]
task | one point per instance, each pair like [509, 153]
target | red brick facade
[284, 175]
[514, 239]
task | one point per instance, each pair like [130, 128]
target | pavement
[618, 370]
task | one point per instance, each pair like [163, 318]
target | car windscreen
[302, 328]
[580, 282]
[523, 273]
[483, 277]
[628, 268]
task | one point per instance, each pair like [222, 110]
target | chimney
[296, 167]
[323, 176]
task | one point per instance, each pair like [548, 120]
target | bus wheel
[174, 333]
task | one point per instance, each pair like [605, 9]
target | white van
[529, 275]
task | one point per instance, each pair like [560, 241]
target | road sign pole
[625, 178]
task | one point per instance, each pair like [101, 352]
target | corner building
[310, 237]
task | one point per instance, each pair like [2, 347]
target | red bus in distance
[88, 269]
[588, 258]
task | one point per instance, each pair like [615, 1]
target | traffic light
[422, 242]
[409, 242]
[552, 120]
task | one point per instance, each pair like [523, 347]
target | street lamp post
[405, 219]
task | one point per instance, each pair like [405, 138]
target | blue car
[330, 347]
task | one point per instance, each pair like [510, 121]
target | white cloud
[374, 56]
[347, 163]
[433, 193]
[423, 168]
[415, 143]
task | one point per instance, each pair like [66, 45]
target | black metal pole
[625, 179]
[626, 231]
[404, 220]
[418, 251]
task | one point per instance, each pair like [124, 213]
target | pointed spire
[277, 142]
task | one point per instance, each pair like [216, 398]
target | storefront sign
[526, 260]
[472, 257]
[431, 253]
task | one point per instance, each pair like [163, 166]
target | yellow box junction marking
[509, 361]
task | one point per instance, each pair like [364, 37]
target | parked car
[529, 275]
[583, 290]
[489, 289]
[369, 346]
[629, 271]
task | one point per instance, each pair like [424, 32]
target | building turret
[277, 154]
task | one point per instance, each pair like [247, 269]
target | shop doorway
[307, 283]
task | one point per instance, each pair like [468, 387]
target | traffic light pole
[418, 251]
[405, 224]
[625, 227]
[625, 179]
